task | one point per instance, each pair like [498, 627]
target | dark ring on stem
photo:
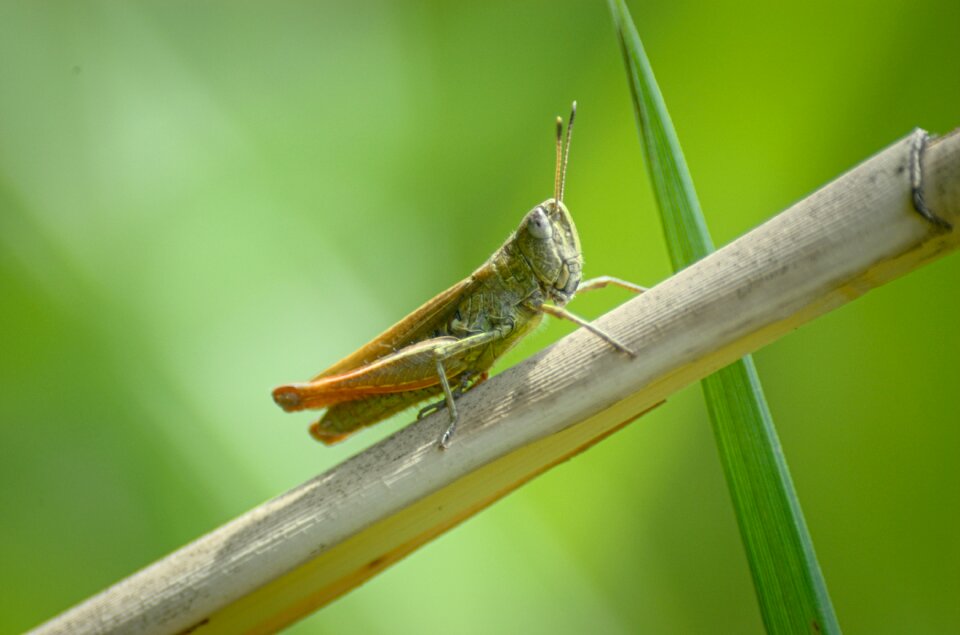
[920, 140]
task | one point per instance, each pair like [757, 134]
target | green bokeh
[200, 202]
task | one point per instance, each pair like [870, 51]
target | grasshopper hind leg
[325, 436]
[343, 419]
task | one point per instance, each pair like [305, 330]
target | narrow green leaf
[790, 587]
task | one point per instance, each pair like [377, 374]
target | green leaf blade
[790, 587]
[683, 224]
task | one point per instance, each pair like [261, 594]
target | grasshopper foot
[448, 433]
[444, 442]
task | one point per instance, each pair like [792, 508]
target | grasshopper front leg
[590, 285]
[605, 281]
[564, 314]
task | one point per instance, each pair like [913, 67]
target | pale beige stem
[293, 554]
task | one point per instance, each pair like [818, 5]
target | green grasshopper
[456, 336]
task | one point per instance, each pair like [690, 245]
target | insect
[447, 346]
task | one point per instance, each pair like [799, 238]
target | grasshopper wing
[409, 369]
[371, 393]
[419, 325]
[390, 373]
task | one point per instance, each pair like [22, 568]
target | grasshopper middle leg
[449, 351]
[468, 380]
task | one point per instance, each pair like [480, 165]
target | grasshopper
[455, 337]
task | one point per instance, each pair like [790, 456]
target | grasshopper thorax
[548, 240]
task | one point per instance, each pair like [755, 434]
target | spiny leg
[605, 281]
[557, 312]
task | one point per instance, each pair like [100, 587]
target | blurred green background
[199, 201]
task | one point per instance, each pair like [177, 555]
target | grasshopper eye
[539, 225]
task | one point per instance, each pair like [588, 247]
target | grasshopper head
[547, 236]
[548, 240]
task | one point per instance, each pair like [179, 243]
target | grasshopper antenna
[558, 175]
[562, 170]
